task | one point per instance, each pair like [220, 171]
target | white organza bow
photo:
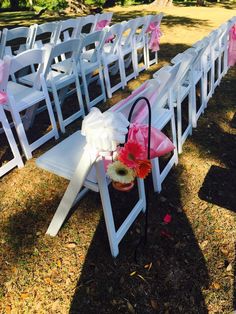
[104, 131]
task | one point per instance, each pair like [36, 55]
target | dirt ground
[187, 266]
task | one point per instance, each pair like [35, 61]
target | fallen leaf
[216, 285]
[133, 273]
[8, 309]
[59, 263]
[229, 267]
[130, 307]
[24, 296]
[203, 244]
[154, 304]
[48, 281]
[224, 251]
[71, 245]
[142, 278]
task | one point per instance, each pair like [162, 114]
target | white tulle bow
[104, 131]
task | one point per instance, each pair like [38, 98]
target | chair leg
[50, 111]
[71, 193]
[20, 131]
[107, 208]
[58, 107]
[107, 80]
[156, 175]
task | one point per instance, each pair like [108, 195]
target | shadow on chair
[175, 278]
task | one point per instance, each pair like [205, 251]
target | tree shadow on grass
[169, 272]
[168, 20]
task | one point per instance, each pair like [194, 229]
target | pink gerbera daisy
[131, 154]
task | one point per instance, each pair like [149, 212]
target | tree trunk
[200, 3]
[14, 4]
[162, 3]
[110, 3]
[78, 6]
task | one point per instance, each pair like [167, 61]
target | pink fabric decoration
[232, 46]
[3, 98]
[167, 219]
[130, 97]
[101, 24]
[3, 95]
[155, 36]
[160, 143]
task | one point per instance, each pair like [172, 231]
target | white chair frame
[16, 161]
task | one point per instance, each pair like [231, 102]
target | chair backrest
[128, 31]
[26, 59]
[156, 19]
[142, 24]
[70, 48]
[18, 38]
[87, 24]
[44, 33]
[67, 29]
[102, 20]
[93, 43]
[113, 38]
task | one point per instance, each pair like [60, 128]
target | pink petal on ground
[167, 219]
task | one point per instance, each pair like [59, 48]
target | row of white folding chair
[21, 98]
[16, 161]
[49, 32]
[67, 159]
[197, 65]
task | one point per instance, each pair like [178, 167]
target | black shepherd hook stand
[148, 157]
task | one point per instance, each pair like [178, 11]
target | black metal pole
[148, 153]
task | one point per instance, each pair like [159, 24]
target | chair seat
[24, 96]
[63, 158]
[161, 117]
[58, 78]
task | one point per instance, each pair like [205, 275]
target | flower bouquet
[130, 162]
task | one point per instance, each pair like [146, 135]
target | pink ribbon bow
[160, 143]
[101, 24]
[155, 36]
[3, 95]
[232, 46]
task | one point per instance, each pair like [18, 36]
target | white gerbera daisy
[118, 172]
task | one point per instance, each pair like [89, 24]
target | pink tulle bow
[160, 143]
[101, 24]
[3, 98]
[3, 95]
[154, 43]
[232, 46]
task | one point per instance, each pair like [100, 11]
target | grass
[187, 266]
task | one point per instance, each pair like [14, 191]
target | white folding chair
[112, 62]
[181, 92]
[59, 82]
[196, 76]
[43, 34]
[16, 161]
[90, 62]
[21, 98]
[127, 51]
[158, 92]
[152, 57]
[67, 29]
[87, 24]
[140, 50]
[16, 40]
[89, 66]
[102, 20]
[69, 160]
